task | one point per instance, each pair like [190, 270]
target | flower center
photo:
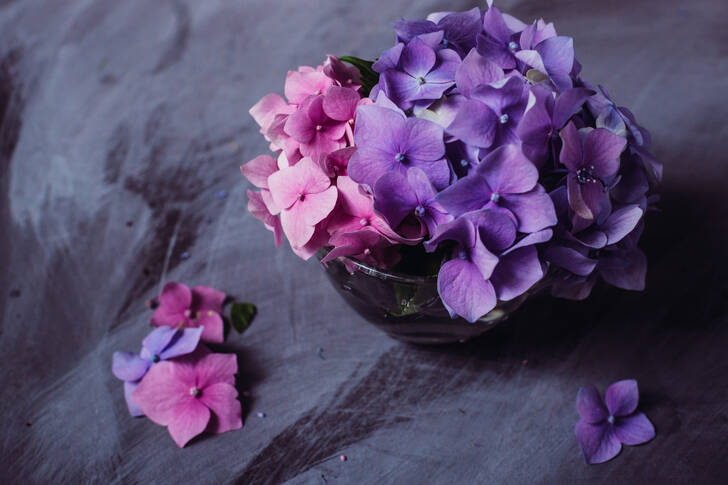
[464, 163]
[420, 80]
[513, 46]
[584, 176]
[419, 211]
[494, 197]
[504, 119]
[187, 313]
[367, 252]
[463, 254]
[319, 127]
[154, 358]
[194, 391]
[399, 157]
[610, 420]
[445, 43]
[301, 196]
[363, 221]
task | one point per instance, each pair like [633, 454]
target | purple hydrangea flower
[505, 179]
[592, 157]
[398, 196]
[163, 343]
[459, 28]
[605, 425]
[387, 141]
[553, 57]
[422, 74]
[498, 42]
[463, 281]
[491, 115]
[540, 125]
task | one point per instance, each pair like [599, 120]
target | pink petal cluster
[182, 307]
[175, 380]
[305, 193]
[192, 394]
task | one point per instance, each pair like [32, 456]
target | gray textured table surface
[120, 122]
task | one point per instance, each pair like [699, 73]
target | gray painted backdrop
[121, 121]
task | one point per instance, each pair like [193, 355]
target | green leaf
[369, 77]
[241, 315]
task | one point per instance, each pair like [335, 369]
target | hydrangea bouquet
[473, 143]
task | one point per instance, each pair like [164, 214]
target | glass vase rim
[380, 273]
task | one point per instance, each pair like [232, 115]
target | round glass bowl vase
[407, 307]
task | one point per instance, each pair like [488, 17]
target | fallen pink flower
[182, 307]
[192, 394]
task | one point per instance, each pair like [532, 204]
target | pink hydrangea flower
[305, 196]
[182, 307]
[192, 394]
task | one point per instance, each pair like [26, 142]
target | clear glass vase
[408, 307]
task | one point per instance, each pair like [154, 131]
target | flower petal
[207, 298]
[470, 193]
[133, 407]
[464, 291]
[340, 103]
[417, 58]
[259, 169]
[474, 71]
[173, 301]
[622, 397]
[183, 343]
[602, 149]
[128, 366]
[597, 442]
[474, 124]
[190, 418]
[214, 368]
[634, 429]
[158, 340]
[516, 272]
[214, 329]
[624, 269]
[162, 388]
[508, 171]
[534, 210]
[222, 400]
[590, 406]
[394, 197]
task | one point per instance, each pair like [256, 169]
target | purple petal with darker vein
[572, 152]
[516, 272]
[496, 229]
[393, 197]
[422, 140]
[185, 342]
[128, 366]
[460, 230]
[158, 339]
[622, 397]
[389, 58]
[621, 222]
[570, 259]
[474, 124]
[467, 194]
[590, 406]
[508, 171]
[495, 51]
[464, 291]
[474, 71]
[557, 54]
[597, 441]
[495, 26]
[408, 29]
[534, 209]
[601, 150]
[568, 104]
[417, 58]
[634, 429]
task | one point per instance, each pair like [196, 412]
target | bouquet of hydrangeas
[473, 143]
